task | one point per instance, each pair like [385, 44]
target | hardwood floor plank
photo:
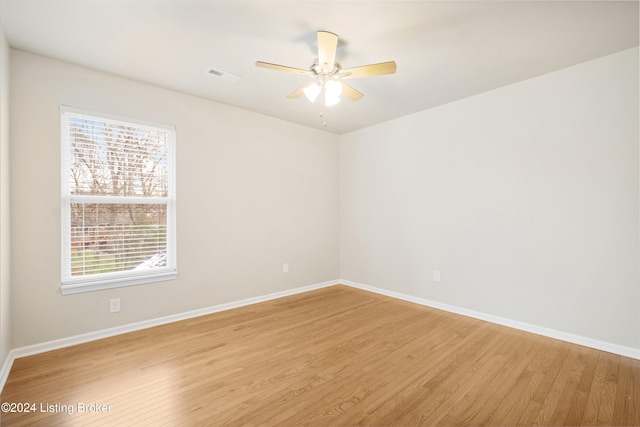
[335, 356]
[421, 371]
[546, 377]
[553, 400]
[479, 402]
[595, 400]
[601, 400]
[627, 407]
[439, 390]
[509, 410]
[570, 378]
[578, 404]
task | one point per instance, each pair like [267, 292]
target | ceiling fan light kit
[328, 75]
[328, 87]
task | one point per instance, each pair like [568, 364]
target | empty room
[331, 213]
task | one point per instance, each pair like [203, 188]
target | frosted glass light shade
[333, 88]
[312, 92]
[330, 100]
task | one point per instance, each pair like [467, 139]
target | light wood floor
[332, 357]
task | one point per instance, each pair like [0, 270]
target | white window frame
[94, 282]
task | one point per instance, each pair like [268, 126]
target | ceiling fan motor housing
[324, 69]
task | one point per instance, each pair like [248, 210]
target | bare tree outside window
[118, 186]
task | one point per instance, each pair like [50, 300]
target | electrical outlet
[114, 305]
[285, 267]
[436, 275]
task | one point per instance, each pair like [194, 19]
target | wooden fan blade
[327, 45]
[298, 93]
[350, 92]
[369, 70]
[282, 68]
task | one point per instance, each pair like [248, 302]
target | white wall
[253, 192]
[5, 341]
[526, 198]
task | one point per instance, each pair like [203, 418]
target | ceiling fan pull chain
[324, 120]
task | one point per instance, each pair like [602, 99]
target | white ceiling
[445, 50]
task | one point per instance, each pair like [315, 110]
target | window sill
[77, 287]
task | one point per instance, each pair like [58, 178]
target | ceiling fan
[327, 74]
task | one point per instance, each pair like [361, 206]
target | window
[118, 202]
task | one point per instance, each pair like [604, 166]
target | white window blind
[118, 202]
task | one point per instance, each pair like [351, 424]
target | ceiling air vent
[230, 77]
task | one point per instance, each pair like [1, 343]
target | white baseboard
[106, 333]
[547, 332]
[31, 350]
[4, 370]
